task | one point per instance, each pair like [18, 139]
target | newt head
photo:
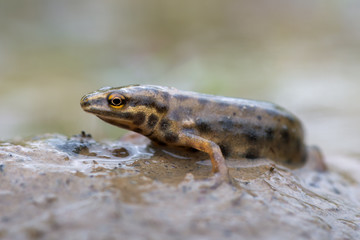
[126, 107]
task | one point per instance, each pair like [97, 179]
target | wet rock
[58, 187]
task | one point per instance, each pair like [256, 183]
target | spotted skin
[219, 126]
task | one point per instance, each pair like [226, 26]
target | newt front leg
[211, 148]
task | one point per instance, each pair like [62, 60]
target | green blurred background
[303, 55]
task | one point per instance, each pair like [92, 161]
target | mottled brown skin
[220, 126]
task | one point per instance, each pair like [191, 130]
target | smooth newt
[220, 126]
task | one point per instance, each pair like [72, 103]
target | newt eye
[116, 100]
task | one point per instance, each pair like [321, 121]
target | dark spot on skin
[285, 135]
[171, 137]
[269, 133]
[139, 118]
[181, 97]
[250, 135]
[227, 124]
[148, 102]
[165, 96]
[225, 150]
[252, 153]
[203, 101]
[152, 121]
[161, 108]
[234, 113]
[143, 101]
[164, 124]
[202, 126]
[259, 117]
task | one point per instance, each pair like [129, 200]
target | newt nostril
[84, 102]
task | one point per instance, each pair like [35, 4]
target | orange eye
[116, 100]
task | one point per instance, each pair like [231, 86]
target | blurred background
[303, 55]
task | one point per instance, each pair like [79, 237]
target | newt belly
[220, 126]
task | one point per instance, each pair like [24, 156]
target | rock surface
[54, 187]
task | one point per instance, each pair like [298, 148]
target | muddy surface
[54, 187]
